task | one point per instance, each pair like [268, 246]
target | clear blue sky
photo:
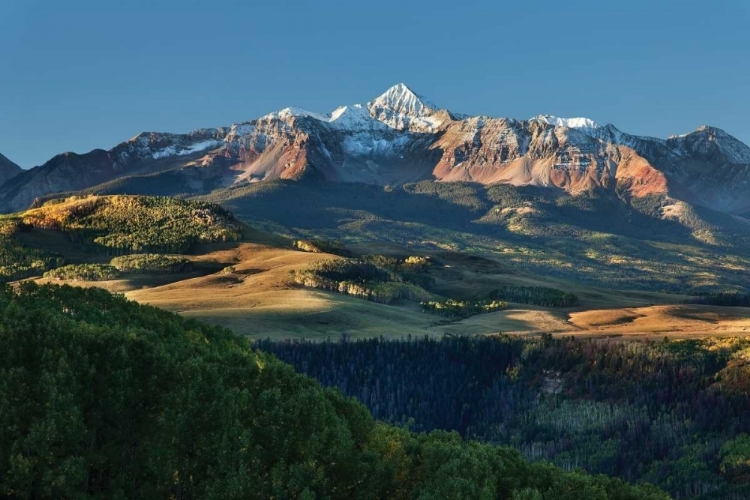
[81, 74]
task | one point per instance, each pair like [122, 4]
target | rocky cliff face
[400, 137]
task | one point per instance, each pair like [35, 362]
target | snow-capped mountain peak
[577, 122]
[403, 100]
[355, 117]
[401, 108]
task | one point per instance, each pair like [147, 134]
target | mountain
[8, 169]
[145, 153]
[398, 138]
[712, 168]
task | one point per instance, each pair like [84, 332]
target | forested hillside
[114, 225]
[103, 398]
[676, 414]
[17, 260]
[135, 224]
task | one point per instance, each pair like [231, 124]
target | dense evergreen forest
[675, 413]
[727, 299]
[103, 398]
[536, 295]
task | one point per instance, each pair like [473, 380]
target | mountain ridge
[401, 137]
[8, 169]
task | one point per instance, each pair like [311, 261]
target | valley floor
[253, 295]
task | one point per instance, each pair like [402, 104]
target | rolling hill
[203, 263]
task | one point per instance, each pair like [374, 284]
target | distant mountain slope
[70, 172]
[399, 137]
[649, 243]
[8, 169]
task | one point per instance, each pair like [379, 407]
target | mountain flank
[398, 138]
[8, 169]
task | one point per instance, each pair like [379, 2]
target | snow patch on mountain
[294, 112]
[354, 117]
[238, 130]
[182, 150]
[365, 144]
[577, 123]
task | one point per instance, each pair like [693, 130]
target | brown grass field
[245, 287]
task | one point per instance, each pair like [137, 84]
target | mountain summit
[401, 99]
[711, 143]
[400, 137]
[399, 107]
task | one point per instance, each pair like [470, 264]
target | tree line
[535, 295]
[359, 278]
[84, 272]
[152, 263]
[18, 261]
[132, 264]
[385, 279]
[725, 299]
[462, 308]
